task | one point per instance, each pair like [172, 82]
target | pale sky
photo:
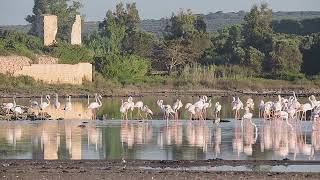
[13, 12]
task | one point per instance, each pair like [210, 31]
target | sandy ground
[87, 170]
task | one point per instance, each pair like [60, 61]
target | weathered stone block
[48, 28]
[75, 37]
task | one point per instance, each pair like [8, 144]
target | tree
[285, 56]
[257, 28]
[253, 59]
[66, 14]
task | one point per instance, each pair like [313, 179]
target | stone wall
[58, 73]
[47, 29]
[11, 64]
[75, 38]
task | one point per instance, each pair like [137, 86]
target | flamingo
[261, 108]
[9, 106]
[205, 106]
[217, 108]
[95, 105]
[44, 105]
[68, 105]
[176, 107]
[34, 104]
[199, 105]
[191, 109]
[314, 101]
[57, 103]
[147, 111]
[139, 106]
[236, 106]
[304, 108]
[165, 109]
[250, 103]
[125, 106]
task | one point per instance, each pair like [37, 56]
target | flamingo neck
[88, 100]
[47, 98]
[14, 102]
[99, 101]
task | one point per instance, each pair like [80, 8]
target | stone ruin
[75, 38]
[48, 28]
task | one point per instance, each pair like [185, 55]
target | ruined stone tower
[75, 38]
[48, 28]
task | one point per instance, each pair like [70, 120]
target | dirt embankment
[85, 169]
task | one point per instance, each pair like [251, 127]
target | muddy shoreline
[132, 169]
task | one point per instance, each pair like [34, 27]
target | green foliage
[257, 28]
[285, 56]
[19, 43]
[70, 54]
[298, 27]
[126, 69]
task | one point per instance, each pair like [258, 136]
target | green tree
[285, 56]
[257, 28]
[253, 59]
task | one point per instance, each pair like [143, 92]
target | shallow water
[155, 139]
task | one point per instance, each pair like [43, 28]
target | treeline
[298, 27]
[186, 52]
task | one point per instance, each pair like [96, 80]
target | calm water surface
[155, 139]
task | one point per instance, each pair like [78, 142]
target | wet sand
[117, 169]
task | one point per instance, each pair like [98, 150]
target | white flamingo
[261, 108]
[206, 105]
[236, 106]
[68, 105]
[124, 108]
[147, 111]
[57, 103]
[217, 108]
[304, 108]
[8, 106]
[95, 105]
[139, 106]
[191, 109]
[250, 103]
[176, 107]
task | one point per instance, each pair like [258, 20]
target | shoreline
[134, 169]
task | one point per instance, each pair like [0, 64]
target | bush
[127, 69]
[69, 54]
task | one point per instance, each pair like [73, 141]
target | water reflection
[257, 139]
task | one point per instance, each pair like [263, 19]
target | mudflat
[140, 169]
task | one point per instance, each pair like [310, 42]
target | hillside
[215, 21]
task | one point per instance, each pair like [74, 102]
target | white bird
[206, 105]
[34, 104]
[68, 105]
[44, 105]
[217, 108]
[165, 109]
[314, 102]
[304, 108]
[125, 106]
[139, 106]
[8, 106]
[247, 114]
[95, 105]
[176, 107]
[147, 111]
[236, 106]
[191, 109]
[250, 103]
[56, 102]
[261, 108]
